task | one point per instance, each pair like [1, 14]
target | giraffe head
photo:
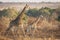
[26, 6]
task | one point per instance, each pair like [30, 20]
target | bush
[10, 13]
[46, 11]
[33, 12]
[43, 11]
[6, 15]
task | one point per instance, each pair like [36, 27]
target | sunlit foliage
[33, 12]
[10, 13]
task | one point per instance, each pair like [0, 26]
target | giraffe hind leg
[7, 30]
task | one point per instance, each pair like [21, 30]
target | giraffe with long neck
[33, 25]
[18, 22]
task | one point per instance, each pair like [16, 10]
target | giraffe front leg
[34, 30]
[22, 28]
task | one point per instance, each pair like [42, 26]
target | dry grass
[4, 38]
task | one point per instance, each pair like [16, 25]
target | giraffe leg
[22, 28]
[34, 30]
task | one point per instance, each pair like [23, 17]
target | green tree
[10, 13]
[6, 15]
[33, 12]
[44, 12]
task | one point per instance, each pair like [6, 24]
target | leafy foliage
[10, 13]
[33, 12]
[46, 11]
[37, 12]
[24, 19]
[6, 15]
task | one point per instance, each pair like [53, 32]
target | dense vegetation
[33, 12]
[45, 12]
[7, 15]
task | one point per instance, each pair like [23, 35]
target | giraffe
[33, 25]
[18, 22]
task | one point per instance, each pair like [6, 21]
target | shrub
[33, 12]
[10, 13]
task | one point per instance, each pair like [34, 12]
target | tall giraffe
[33, 25]
[18, 22]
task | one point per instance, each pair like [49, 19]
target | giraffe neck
[22, 12]
[36, 21]
[19, 17]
